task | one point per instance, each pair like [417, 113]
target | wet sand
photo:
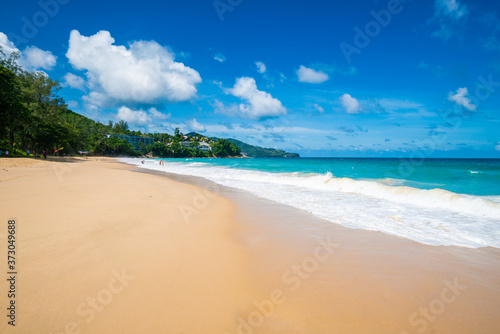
[369, 282]
[105, 249]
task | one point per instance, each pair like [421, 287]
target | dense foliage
[33, 117]
[260, 152]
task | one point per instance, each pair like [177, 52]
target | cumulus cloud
[498, 146]
[193, 125]
[311, 76]
[7, 46]
[261, 67]
[37, 58]
[144, 72]
[350, 104]
[140, 117]
[220, 57]
[74, 81]
[32, 58]
[257, 104]
[460, 98]
[158, 115]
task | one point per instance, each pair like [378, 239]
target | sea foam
[435, 216]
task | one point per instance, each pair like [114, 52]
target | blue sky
[321, 78]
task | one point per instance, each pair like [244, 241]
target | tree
[224, 148]
[121, 127]
[177, 134]
[44, 129]
[13, 112]
[159, 149]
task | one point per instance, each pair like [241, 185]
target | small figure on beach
[6, 153]
[142, 162]
[28, 153]
[45, 154]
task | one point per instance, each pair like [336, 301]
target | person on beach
[45, 154]
[28, 153]
[6, 153]
[142, 162]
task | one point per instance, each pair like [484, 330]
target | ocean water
[434, 201]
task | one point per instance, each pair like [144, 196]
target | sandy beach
[102, 248]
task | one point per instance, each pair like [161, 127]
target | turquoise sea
[433, 201]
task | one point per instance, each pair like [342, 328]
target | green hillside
[261, 152]
[253, 151]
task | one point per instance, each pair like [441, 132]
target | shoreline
[242, 265]
[279, 238]
[431, 216]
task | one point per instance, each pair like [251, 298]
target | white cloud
[319, 108]
[145, 72]
[311, 76]
[7, 46]
[450, 8]
[99, 99]
[498, 146]
[158, 115]
[261, 67]
[140, 117]
[220, 57]
[460, 98]
[229, 110]
[74, 81]
[193, 125]
[36, 58]
[32, 58]
[258, 104]
[350, 104]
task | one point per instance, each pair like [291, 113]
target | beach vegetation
[34, 118]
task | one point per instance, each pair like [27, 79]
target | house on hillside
[202, 146]
[135, 140]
